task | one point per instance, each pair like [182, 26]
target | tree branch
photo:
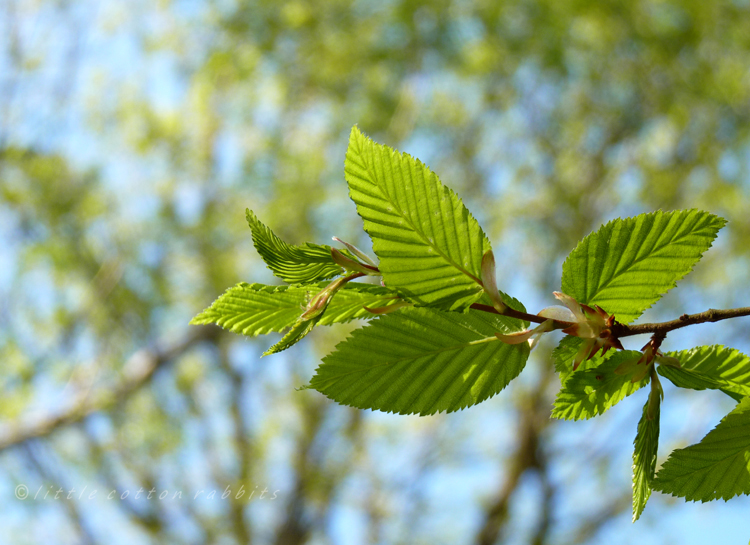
[710, 315]
[622, 330]
[559, 324]
[137, 371]
[534, 411]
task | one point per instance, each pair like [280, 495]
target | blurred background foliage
[133, 135]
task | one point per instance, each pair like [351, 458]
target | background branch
[137, 371]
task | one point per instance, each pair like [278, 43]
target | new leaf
[294, 335]
[717, 467]
[628, 264]
[293, 264]
[256, 309]
[644, 455]
[590, 392]
[713, 367]
[429, 245]
[564, 355]
[422, 361]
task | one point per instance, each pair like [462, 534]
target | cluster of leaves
[444, 338]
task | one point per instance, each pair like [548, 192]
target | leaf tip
[196, 320]
[356, 133]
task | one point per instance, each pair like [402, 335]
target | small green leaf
[628, 264]
[293, 264]
[710, 367]
[564, 355]
[256, 309]
[294, 335]
[591, 392]
[429, 245]
[422, 361]
[644, 456]
[717, 467]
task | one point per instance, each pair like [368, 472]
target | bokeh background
[133, 134]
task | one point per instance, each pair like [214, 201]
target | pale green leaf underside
[591, 392]
[628, 264]
[256, 309]
[710, 367]
[293, 264]
[429, 245]
[422, 361]
[644, 459]
[717, 467]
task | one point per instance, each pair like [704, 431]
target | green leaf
[628, 264]
[733, 395]
[293, 264]
[256, 309]
[294, 335]
[430, 247]
[512, 302]
[422, 361]
[717, 467]
[591, 392]
[564, 355]
[710, 367]
[644, 456]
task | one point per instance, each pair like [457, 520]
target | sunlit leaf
[430, 247]
[293, 264]
[591, 392]
[628, 264]
[422, 361]
[710, 367]
[256, 309]
[294, 335]
[644, 455]
[717, 467]
[564, 355]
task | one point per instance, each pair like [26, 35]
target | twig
[710, 315]
[559, 324]
[622, 330]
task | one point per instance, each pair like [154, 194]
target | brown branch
[662, 328]
[137, 371]
[622, 330]
[559, 324]
[534, 410]
[618, 330]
